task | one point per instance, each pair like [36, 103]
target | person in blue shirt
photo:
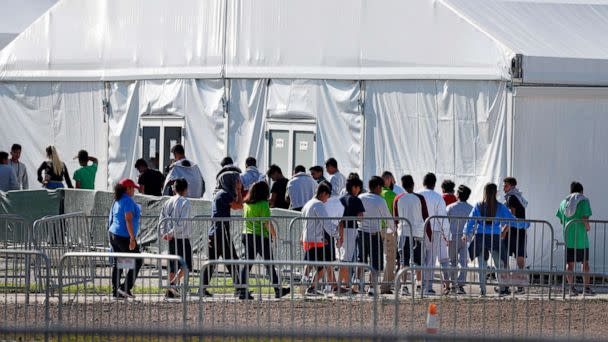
[123, 226]
[488, 230]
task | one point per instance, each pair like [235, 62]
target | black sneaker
[245, 295]
[282, 292]
[574, 291]
[205, 293]
[124, 294]
[461, 290]
[170, 294]
[311, 291]
[504, 292]
[520, 291]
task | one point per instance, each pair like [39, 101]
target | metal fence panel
[24, 298]
[92, 302]
[14, 232]
[534, 314]
[318, 303]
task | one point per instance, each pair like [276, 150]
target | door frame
[291, 126]
[161, 122]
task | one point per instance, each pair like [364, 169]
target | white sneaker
[405, 291]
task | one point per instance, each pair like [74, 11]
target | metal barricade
[14, 232]
[107, 301]
[228, 242]
[469, 313]
[317, 304]
[487, 245]
[25, 303]
[586, 250]
[57, 235]
[381, 250]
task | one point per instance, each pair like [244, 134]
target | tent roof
[562, 41]
[17, 15]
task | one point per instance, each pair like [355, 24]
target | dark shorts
[577, 254]
[182, 248]
[325, 253]
[405, 253]
[371, 250]
[516, 242]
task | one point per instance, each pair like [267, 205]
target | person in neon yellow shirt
[257, 237]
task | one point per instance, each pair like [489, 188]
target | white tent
[17, 15]
[472, 90]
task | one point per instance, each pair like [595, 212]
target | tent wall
[569, 126]
[65, 114]
[456, 129]
[199, 102]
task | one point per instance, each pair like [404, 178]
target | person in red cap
[123, 226]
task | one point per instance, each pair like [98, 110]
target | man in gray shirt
[457, 249]
[8, 180]
[18, 167]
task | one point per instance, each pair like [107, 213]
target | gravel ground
[512, 317]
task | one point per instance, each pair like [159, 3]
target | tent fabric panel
[555, 124]
[415, 127]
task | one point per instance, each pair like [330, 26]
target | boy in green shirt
[85, 176]
[573, 214]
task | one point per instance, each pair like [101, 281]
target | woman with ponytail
[53, 172]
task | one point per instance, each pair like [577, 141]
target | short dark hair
[576, 187]
[274, 168]
[3, 156]
[511, 181]
[331, 162]
[119, 191]
[83, 156]
[375, 182]
[141, 162]
[226, 161]
[387, 174]
[353, 182]
[179, 148]
[429, 180]
[258, 192]
[250, 161]
[299, 169]
[407, 182]
[353, 175]
[448, 186]
[180, 184]
[15, 147]
[324, 187]
[463, 193]
[316, 168]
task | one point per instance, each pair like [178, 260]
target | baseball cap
[128, 183]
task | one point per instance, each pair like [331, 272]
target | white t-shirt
[338, 183]
[375, 206]
[301, 188]
[435, 204]
[410, 207]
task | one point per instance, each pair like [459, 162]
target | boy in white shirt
[177, 232]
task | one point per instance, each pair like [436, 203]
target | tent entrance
[291, 144]
[158, 136]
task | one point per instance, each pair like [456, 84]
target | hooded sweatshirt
[572, 202]
[191, 173]
[251, 176]
[224, 196]
[515, 192]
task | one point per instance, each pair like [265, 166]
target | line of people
[345, 222]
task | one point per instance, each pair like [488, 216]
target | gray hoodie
[191, 173]
[572, 202]
[515, 192]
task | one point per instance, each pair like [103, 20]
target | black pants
[258, 245]
[121, 245]
[220, 245]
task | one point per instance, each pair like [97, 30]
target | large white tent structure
[472, 90]
[17, 15]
